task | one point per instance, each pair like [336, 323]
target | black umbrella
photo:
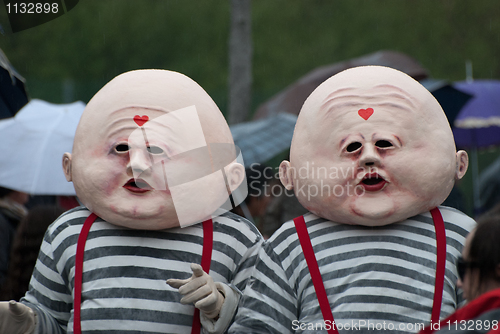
[13, 95]
[449, 97]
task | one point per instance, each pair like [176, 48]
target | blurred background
[70, 58]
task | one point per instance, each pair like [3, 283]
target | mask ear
[462, 162]
[286, 175]
[66, 164]
[235, 173]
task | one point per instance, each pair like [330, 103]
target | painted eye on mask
[121, 148]
[155, 150]
[352, 147]
[383, 144]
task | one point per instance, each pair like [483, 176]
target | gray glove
[16, 318]
[201, 290]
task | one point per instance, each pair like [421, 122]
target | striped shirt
[372, 276]
[124, 273]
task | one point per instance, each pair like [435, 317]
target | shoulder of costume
[457, 217]
[230, 220]
[71, 218]
[287, 230]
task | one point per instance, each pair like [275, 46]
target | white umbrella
[32, 145]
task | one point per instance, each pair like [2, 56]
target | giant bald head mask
[372, 147]
[153, 151]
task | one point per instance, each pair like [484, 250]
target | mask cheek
[207, 194]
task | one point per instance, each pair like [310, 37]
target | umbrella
[13, 95]
[478, 123]
[262, 139]
[32, 145]
[290, 99]
[449, 97]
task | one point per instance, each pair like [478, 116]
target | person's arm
[269, 303]
[16, 318]
[49, 296]
[216, 301]
[252, 241]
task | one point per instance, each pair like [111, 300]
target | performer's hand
[201, 290]
[16, 318]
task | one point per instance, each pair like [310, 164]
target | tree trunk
[240, 61]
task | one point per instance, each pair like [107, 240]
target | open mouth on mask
[373, 182]
[137, 186]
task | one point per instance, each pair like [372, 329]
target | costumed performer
[153, 162]
[372, 158]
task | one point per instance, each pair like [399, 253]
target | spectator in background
[25, 247]
[479, 277]
[283, 206]
[489, 186]
[67, 202]
[12, 210]
[260, 179]
[494, 211]
[456, 198]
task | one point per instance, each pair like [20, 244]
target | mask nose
[369, 156]
[139, 161]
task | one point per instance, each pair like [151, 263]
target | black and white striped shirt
[125, 270]
[372, 276]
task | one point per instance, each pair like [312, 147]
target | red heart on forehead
[140, 120]
[365, 113]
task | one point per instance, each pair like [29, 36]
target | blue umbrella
[449, 97]
[478, 123]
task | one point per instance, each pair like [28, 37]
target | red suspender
[206, 258]
[80, 248]
[319, 287]
[440, 264]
